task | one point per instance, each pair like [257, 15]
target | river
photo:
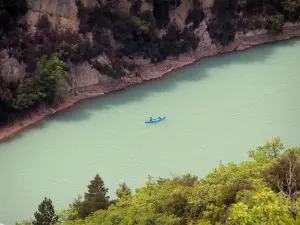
[217, 109]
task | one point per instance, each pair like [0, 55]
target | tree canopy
[250, 193]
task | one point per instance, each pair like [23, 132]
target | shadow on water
[193, 73]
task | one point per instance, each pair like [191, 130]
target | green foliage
[222, 29]
[123, 191]
[222, 26]
[263, 207]
[269, 151]
[275, 23]
[50, 75]
[45, 214]
[234, 194]
[95, 199]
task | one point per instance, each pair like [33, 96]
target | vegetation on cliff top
[264, 190]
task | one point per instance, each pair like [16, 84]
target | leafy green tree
[264, 207]
[45, 214]
[50, 73]
[269, 151]
[123, 191]
[249, 193]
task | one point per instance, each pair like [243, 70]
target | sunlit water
[217, 109]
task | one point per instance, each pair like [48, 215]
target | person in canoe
[150, 118]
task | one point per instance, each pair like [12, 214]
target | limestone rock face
[60, 12]
[11, 69]
[64, 12]
[83, 75]
[179, 14]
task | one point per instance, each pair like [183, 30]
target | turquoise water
[217, 109]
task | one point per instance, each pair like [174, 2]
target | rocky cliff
[84, 81]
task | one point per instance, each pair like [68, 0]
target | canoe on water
[155, 120]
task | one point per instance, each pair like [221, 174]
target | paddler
[150, 118]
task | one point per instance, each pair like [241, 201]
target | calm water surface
[217, 109]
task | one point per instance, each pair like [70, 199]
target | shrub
[275, 23]
[222, 30]
[291, 9]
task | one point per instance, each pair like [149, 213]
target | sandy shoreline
[42, 114]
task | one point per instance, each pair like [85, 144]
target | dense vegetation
[234, 15]
[47, 52]
[104, 30]
[264, 190]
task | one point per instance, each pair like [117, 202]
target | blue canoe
[154, 120]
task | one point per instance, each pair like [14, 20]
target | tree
[45, 214]
[50, 74]
[123, 191]
[96, 194]
[284, 176]
[95, 199]
[271, 150]
[262, 207]
[275, 23]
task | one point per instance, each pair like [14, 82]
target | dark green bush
[275, 23]
[222, 30]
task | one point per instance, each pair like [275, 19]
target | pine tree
[96, 196]
[95, 199]
[45, 214]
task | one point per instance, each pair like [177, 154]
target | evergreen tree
[96, 195]
[45, 214]
[95, 199]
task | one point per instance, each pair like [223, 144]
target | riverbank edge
[36, 118]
